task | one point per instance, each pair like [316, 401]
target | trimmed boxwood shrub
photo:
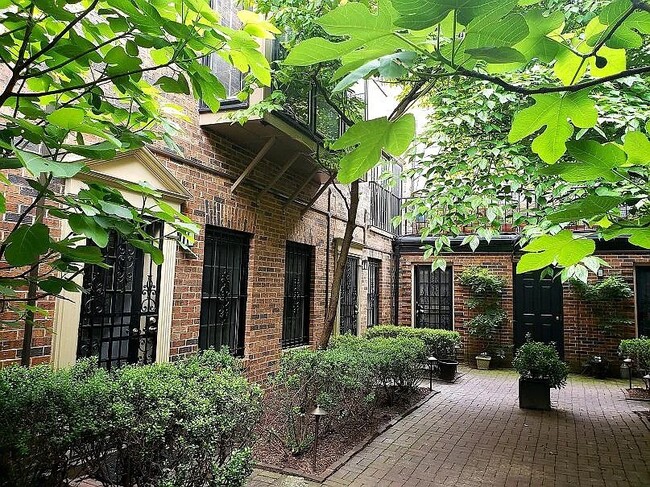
[437, 343]
[349, 379]
[537, 360]
[187, 423]
[638, 349]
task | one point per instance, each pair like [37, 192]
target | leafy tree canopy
[90, 79]
[573, 74]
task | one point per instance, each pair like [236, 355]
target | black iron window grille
[385, 199]
[373, 291]
[297, 293]
[224, 287]
[433, 298]
[349, 302]
[118, 323]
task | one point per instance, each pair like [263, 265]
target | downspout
[328, 249]
[396, 257]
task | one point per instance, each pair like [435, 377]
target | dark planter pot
[534, 394]
[447, 369]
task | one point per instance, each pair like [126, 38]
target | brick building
[546, 308]
[259, 276]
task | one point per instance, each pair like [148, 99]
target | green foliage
[612, 288]
[485, 325]
[188, 423]
[638, 349]
[348, 380]
[581, 64]
[537, 360]
[89, 80]
[437, 343]
[481, 282]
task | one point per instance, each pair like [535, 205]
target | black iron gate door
[433, 298]
[297, 290]
[350, 296]
[643, 300]
[119, 310]
[538, 310]
[373, 291]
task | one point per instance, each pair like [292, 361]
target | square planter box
[534, 394]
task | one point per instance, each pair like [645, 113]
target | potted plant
[485, 297]
[540, 368]
[484, 326]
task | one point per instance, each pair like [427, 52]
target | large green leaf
[627, 34]
[37, 164]
[85, 225]
[593, 161]
[67, 118]
[421, 14]
[562, 249]
[637, 147]
[367, 140]
[26, 244]
[553, 111]
[588, 208]
[390, 66]
[368, 35]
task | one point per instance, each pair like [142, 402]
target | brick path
[474, 433]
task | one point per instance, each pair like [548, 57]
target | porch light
[600, 273]
[364, 264]
[317, 413]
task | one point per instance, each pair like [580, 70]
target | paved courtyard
[473, 433]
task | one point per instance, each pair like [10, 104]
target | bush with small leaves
[537, 360]
[638, 349]
[437, 343]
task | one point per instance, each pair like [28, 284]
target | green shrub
[481, 282]
[183, 424]
[612, 288]
[348, 380]
[537, 360]
[638, 349]
[437, 343]
[485, 326]
[44, 414]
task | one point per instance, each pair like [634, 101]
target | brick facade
[209, 166]
[583, 337]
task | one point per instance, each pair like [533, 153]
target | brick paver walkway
[473, 433]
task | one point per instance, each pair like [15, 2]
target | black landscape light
[628, 364]
[317, 413]
[432, 361]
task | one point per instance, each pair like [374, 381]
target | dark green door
[538, 310]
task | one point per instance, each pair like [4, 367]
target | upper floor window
[297, 293]
[385, 196]
[231, 78]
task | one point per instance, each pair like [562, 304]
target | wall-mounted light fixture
[364, 264]
[600, 273]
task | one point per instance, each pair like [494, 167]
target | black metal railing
[223, 294]
[384, 207]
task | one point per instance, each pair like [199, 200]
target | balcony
[300, 127]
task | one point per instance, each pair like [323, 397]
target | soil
[333, 445]
[638, 393]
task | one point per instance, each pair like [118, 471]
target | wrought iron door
[433, 298]
[223, 295]
[538, 310]
[297, 291]
[643, 300]
[119, 310]
[350, 297]
[373, 291]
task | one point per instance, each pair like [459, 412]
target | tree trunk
[339, 268]
[32, 291]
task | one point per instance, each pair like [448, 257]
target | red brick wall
[583, 337]
[210, 166]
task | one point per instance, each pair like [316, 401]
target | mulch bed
[638, 394]
[268, 451]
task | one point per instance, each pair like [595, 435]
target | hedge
[638, 349]
[349, 380]
[187, 423]
[437, 343]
